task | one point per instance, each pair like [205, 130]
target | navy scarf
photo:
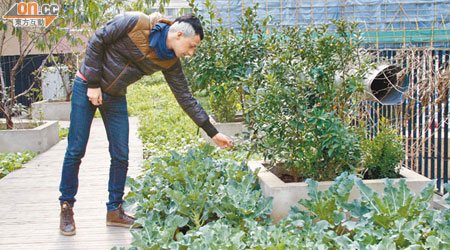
[158, 38]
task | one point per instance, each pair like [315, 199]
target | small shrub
[224, 104]
[225, 58]
[383, 154]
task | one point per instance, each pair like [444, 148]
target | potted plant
[303, 115]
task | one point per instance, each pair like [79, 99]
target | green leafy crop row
[193, 201]
[180, 196]
[396, 220]
[163, 126]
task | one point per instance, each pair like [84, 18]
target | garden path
[29, 205]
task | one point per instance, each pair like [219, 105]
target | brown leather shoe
[67, 223]
[118, 218]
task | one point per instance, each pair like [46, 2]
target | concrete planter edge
[232, 129]
[38, 139]
[288, 194]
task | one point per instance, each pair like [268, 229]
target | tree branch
[39, 70]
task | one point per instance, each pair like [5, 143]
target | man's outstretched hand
[223, 141]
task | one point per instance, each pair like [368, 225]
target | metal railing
[422, 118]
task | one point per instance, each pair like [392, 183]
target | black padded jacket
[118, 54]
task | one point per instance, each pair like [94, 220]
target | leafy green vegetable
[194, 201]
[190, 194]
[12, 161]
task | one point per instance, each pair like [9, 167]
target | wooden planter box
[23, 137]
[288, 194]
[232, 129]
[51, 110]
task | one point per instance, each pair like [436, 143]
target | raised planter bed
[288, 194]
[25, 137]
[51, 110]
[233, 129]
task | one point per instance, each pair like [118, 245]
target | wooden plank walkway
[29, 205]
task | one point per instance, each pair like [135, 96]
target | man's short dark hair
[194, 22]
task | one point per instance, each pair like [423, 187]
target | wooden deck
[29, 207]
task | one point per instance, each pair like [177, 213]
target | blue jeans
[115, 117]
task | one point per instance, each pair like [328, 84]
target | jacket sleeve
[180, 89]
[113, 30]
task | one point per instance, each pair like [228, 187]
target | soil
[287, 176]
[237, 118]
[22, 125]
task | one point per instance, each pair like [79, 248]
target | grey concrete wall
[38, 139]
[51, 110]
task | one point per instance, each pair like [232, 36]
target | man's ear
[179, 34]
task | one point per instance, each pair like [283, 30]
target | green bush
[225, 58]
[382, 154]
[224, 104]
[302, 112]
[12, 161]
